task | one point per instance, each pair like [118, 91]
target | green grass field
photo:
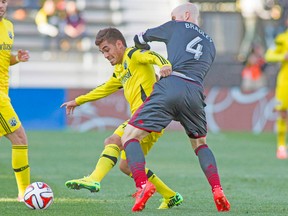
[254, 181]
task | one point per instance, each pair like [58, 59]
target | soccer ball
[38, 195]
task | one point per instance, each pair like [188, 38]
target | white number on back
[198, 51]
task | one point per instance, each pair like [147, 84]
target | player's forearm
[271, 56]
[159, 60]
[91, 96]
[96, 94]
[14, 59]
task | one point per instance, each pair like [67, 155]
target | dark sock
[136, 161]
[208, 165]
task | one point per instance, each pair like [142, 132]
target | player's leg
[281, 134]
[170, 197]
[106, 162]
[154, 115]
[281, 95]
[136, 162]
[193, 118]
[108, 158]
[20, 163]
[11, 128]
[209, 167]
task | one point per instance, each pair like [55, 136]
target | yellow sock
[106, 162]
[21, 167]
[161, 187]
[281, 132]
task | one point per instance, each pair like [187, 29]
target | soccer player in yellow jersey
[280, 54]
[10, 125]
[134, 72]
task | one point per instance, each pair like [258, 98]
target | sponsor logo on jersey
[125, 65]
[5, 46]
[125, 77]
[10, 34]
[13, 122]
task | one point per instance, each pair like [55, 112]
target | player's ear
[119, 44]
[187, 16]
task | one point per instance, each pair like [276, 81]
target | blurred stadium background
[53, 76]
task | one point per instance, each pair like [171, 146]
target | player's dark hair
[111, 35]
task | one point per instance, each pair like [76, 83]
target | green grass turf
[253, 179]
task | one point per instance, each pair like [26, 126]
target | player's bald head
[186, 12]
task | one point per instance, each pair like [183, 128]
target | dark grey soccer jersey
[190, 50]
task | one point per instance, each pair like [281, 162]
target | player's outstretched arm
[70, 106]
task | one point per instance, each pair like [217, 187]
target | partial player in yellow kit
[134, 72]
[10, 125]
[280, 54]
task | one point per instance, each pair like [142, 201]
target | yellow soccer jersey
[136, 75]
[278, 55]
[6, 44]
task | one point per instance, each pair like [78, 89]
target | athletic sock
[106, 162]
[21, 167]
[281, 132]
[136, 162]
[161, 187]
[208, 165]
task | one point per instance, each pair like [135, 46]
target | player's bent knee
[198, 142]
[114, 139]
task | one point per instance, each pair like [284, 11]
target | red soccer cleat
[281, 152]
[142, 196]
[220, 199]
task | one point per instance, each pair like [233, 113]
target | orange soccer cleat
[220, 199]
[281, 152]
[142, 196]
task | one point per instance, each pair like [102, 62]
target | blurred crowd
[63, 27]
[60, 22]
[263, 20]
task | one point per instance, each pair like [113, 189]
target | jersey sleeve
[278, 53]
[107, 88]
[161, 33]
[150, 57]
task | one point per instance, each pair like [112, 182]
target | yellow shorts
[9, 121]
[281, 95]
[146, 143]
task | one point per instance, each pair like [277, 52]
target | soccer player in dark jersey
[10, 125]
[179, 97]
[135, 74]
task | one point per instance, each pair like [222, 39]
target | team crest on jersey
[10, 34]
[13, 122]
[125, 65]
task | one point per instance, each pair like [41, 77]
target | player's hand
[70, 106]
[165, 71]
[23, 55]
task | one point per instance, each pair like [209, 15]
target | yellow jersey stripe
[163, 60]
[4, 124]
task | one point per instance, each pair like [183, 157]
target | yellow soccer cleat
[171, 202]
[85, 182]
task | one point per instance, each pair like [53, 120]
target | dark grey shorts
[173, 98]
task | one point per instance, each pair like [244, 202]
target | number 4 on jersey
[198, 50]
